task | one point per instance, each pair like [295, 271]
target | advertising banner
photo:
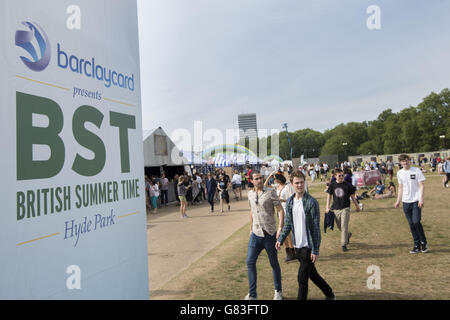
[367, 178]
[73, 198]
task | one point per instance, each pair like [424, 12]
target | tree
[334, 145]
[367, 147]
[352, 133]
[309, 141]
[375, 132]
[433, 119]
[393, 130]
[413, 129]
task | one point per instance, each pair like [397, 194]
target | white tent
[221, 161]
[287, 162]
[275, 164]
[161, 154]
[159, 150]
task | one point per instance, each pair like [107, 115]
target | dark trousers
[211, 199]
[306, 271]
[447, 179]
[413, 214]
[164, 197]
[255, 245]
[176, 194]
[225, 196]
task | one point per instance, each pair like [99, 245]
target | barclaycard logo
[40, 55]
[39, 58]
[90, 68]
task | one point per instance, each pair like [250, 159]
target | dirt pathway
[175, 243]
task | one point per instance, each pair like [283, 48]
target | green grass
[381, 237]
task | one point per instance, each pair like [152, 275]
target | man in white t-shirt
[411, 193]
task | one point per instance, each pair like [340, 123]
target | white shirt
[164, 184]
[287, 191]
[237, 179]
[156, 190]
[263, 171]
[410, 180]
[440, 168]
[354, 181]
[298, 217]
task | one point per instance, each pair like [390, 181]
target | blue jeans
[211, 199]
[255, 246]
[164, 197]
[413, 214]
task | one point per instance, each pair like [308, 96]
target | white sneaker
[361, 206]
[248, 297]
[278, 295]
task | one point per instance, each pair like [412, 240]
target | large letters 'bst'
[27, 136]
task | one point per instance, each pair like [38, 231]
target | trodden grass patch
[381, 237]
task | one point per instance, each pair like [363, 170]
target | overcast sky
[313, 64]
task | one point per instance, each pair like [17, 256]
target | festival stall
[367, 178]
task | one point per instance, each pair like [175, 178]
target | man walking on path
[303, 218]
[164, 190]
[211, 188]
[341, 192]
[263, 233]
[411, 193]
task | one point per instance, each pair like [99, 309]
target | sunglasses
[257, 198]
[257, 178]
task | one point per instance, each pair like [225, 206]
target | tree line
[423, 128]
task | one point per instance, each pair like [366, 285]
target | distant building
[247, 126]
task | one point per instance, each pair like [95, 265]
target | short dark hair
[297, 174]
[255, 172]
[338, 171]
[403, 157]
[281, 178]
